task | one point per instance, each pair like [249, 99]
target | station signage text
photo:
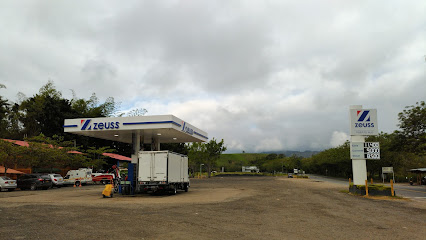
[187, 129]
[89, 125]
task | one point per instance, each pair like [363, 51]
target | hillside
[233, 162]
[305, 154]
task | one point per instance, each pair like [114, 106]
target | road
[417, 192]
[217, 208]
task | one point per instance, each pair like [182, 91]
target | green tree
[52, 152]
[45, 112]
[214, 150]
[175, 147]
[412, 122]
[92, 108]
[14, 127]
[197, 155]
[9, 154]
[96, 157]
[4, 123]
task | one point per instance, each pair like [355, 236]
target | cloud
[338, 138]
[260, 75]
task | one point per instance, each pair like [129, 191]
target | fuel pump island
[152, 170]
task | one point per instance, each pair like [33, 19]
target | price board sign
[365, 150]
[371, 150]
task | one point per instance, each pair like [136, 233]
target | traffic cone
[80, 183]
[74, 183]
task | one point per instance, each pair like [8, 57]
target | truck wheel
[174, 191]
[186, 187]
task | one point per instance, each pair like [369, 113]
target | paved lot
[217, 208]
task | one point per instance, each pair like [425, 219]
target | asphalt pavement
[401, 189]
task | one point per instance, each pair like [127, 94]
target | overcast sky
[262, 75]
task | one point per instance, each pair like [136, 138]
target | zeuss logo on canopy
[363, 122]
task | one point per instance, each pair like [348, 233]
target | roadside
[414, 192]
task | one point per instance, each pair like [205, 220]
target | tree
[175, 147]
[9, 154]
[52, 152]
[413, 128]
[45, 112]
[214, 150]
[197, 154]
[4, 109]
[15, 126]
[97, 159]
[91, 108]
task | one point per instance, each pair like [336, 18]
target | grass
[378, 187]
[257, 174]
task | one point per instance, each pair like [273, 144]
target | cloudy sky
[262, 75]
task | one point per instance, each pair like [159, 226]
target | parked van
[75, 177]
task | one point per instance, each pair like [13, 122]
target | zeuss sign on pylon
[363, 122]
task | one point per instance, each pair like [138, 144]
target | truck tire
[186, 187]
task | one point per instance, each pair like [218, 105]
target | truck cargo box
[162, 170]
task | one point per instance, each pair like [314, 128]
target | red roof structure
[10, 171]
[117, 156]
[18, 142]
[111, 155]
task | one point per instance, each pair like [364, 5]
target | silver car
[7, 183]
[57, 180]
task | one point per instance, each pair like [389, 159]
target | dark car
[34, 181]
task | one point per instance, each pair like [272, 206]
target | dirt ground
[216, 208]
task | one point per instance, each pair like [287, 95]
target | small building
[252, 169]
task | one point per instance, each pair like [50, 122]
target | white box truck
[162, 171]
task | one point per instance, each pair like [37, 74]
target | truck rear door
[152, 167]
[159, 168]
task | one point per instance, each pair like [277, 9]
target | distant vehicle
[75, 177]
[7, 183]
[103, 178]
[290, 175]
[34, 181]
[57, 180]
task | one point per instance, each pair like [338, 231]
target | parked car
[7, 183]
[290, 175]
[57, 180]
[34, 181]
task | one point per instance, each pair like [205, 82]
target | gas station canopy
[159, 129]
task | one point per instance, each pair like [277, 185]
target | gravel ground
[216, 208]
